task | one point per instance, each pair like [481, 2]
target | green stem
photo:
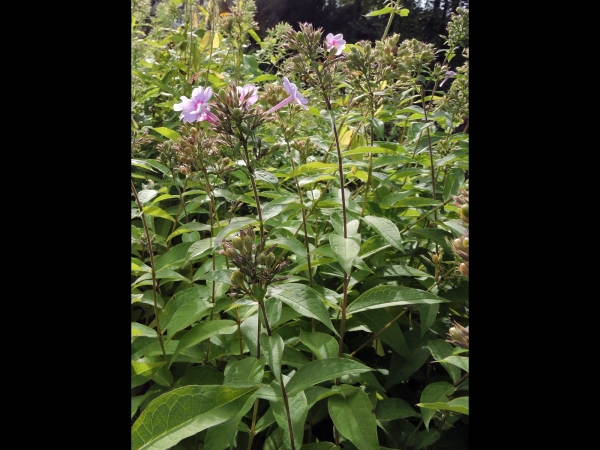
[287, 411]
[387, 325]
[149, 244]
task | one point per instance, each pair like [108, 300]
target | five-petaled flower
[295, 97]
[336, 41]
[248, 93]
[449, 74]
[196, 108]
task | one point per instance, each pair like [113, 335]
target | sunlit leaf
[166, 132]
[345, 249]
[203, 331]
[459, 405]
[157, 212]
[185, 412]
[387, 229]
[321, 370]
[384, 296]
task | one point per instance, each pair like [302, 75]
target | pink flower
[196, 108]
[295, 97]
[449, 74]
[248, 92]
[336, 41]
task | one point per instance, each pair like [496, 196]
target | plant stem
[149, 244]
[252, 432]
[287, 411]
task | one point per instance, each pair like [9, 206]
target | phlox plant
[299, 238]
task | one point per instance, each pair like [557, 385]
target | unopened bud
[270, 259]
[236, 113]
[435, 259]
[183, 170]
[230, 253]
[465, 210]
[225, 161]
[238, 243]
[193, 131]
[354, 169]
[248, 241]
[262, 259]
[237, 279]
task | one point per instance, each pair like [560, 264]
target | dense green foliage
[299, 256]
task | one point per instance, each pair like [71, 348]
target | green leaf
[310, 167]
[394, 408]
[384, 296]
[433, 393]
[345, 250]
[304, 300]
[459, 405]
[321, 370]
[359, 150]
[185, 412]
[236, 224]
[452, 183]
[137, 329]
[157, 212]
[166, 132]
[458, 361]
[379, 12]
[203, 331]
[376, 320]
[199, 249]
[273, 350]
[321, 344]
[428, 314]
[247, 369]
[386, 229]
[175, 255]
[352, 415]
[187, 228]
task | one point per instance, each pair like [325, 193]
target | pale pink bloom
[449, 74]
[248, 92]
[196, 109]
[295, 97]
[336, 41]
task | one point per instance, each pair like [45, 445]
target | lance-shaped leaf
[298, 408]
[203, 331]
[157, 212]
[321, 344]
[321, 370]
[434, 393]
[237, 223]
[184, 412]
[273, 351]
[383, 296]
[458, 361]
[428, 314]
[247, 369]
[137, 329]
[345, 249]
[386, 229]
[352, 415]
[459, 405]
[303, 300]
[394, 408]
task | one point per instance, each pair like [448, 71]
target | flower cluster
[197, 108]
[256, 266]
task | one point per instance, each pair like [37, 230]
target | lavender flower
[248, 92]
[295, 97]
[449, 74]
[196, 109]
[336, 41]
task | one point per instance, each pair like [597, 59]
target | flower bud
[435, 259]
[465, 210]
[236, 113]
[183, 170]
[262, 259]
[230, 253]
[193, 131]
[238, 243]
[354, 169]
[464, 269]
[237, 279]
[270, 259]
[248, 241]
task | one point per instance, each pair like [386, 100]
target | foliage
[299, 269]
